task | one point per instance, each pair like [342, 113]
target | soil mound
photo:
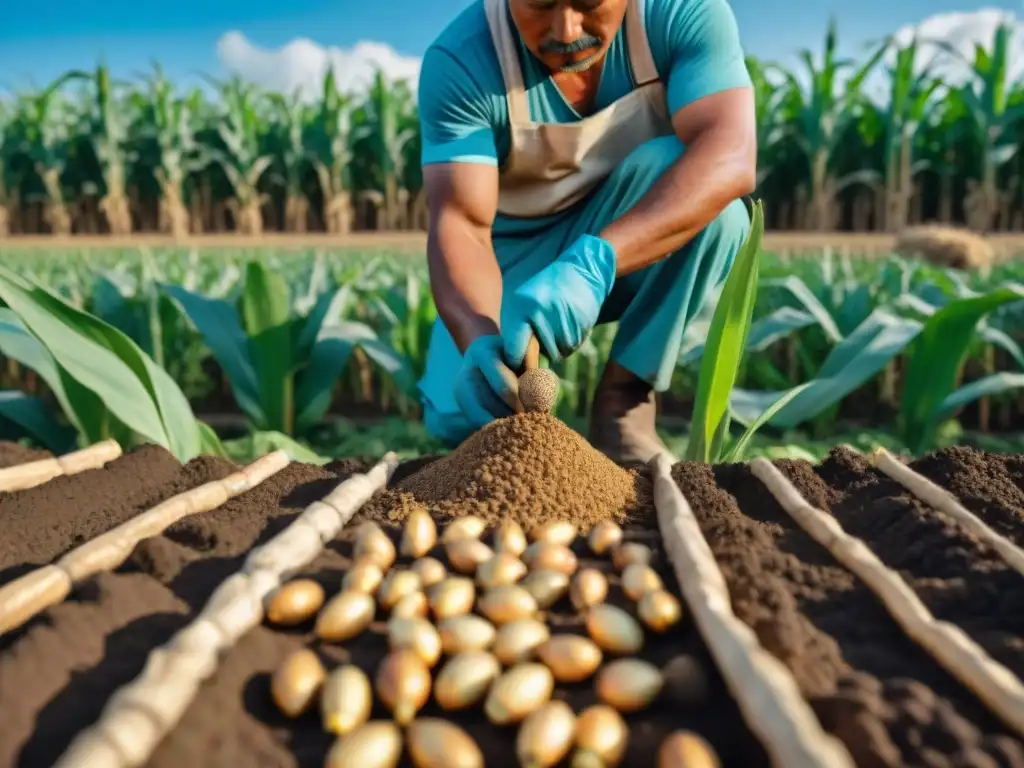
[529, 468]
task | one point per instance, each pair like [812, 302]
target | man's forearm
[465, 280]
[711, 173]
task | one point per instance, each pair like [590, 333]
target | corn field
[91, 154]
[284, 342]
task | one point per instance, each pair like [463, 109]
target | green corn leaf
[725, 345]
[988, 386]
[739, 448]
[936, 358]
[265, 308]
[32, 418]
[219, 324]
[809, 303]
[211, 444]
[17, 343]
[72, 341]
[858, 358]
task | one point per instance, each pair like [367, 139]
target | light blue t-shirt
[462, 105]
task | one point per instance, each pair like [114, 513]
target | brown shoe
[622, 421]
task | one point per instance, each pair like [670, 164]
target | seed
[436, 743]
[555, 532]
[345, 616]
[601, 738]
[452, 597]
[507, 603]
[638, 580]
[430, 570]
[465, 555]
[419, 534]
[403, 684]
[377, 744]
[521, 690]
[685, 749]
[510, 539]
[465, 633]
[465, 679]
[396, 585]
[547, 587]
[347, 699]
[604, 536]
[659, 610]
[374, 545]
[295, 602]
[411, 606]
[589, 587]
[364, 576]
[546, 735]
[543, 555]
[418, 635]
[295, 684]
[469, 526]
[629, 684]
[516, 641]
[501, 569]
[630, 552]
[571, 658]
[614, 630]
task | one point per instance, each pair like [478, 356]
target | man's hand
[486, 388]
[561, 303]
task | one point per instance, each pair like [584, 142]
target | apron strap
[504, 44]
[640, 56]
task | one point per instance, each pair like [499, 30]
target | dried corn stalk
[37, 590]
[766, 692]
[993, 683]
[946, 502]
[140, 714]
[34, 473]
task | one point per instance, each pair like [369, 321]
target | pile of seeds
[530, 468]
[469, 630]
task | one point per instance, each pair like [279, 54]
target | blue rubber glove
[485, 387]
[561, 303]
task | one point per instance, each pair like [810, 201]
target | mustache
[586, 42]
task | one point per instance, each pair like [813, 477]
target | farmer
[585, 161]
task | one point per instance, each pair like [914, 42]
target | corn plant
[727, 336]
[282, 367]
[106, 385]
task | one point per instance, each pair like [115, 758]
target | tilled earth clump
[530, 468]
[868, 683]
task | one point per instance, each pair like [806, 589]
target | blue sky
[182, 35]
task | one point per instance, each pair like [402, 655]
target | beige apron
[551, 166]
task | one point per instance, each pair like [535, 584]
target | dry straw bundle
[35, 473]
[946, 246]
[37, 590]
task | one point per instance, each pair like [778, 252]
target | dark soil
[990, 485]
[40, 524]
[13, 454]
[869, 684]
[960, 579]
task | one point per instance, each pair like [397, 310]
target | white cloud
[302, 64]
[962, 31]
